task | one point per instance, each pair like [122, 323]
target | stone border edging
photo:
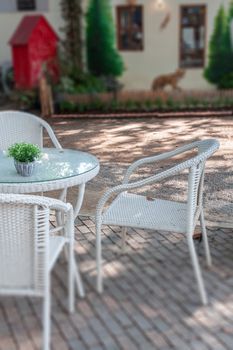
[189, 114]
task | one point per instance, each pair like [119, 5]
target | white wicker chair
[18, 126]
[133, 210]
[28, 250]
[23, 127]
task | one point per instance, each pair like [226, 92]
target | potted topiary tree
[25, 155]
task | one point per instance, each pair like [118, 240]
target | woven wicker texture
[28, 249]
[134, 210]
[139, 211]
[23, 127]
[25, 242]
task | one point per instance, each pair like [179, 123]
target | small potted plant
[25, 155]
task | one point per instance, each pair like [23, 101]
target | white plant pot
[24, 169]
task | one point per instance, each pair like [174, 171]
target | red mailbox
[33, 44]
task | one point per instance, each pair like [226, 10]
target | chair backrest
[24, 244]
[205, 149]
[23, 127]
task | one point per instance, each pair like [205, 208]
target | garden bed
[146, 104]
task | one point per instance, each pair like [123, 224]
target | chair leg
[59, 215]
[99, 259]
[123, 239]
[46, 318]
[76, 273]
[71, 278]
[205, 239]
[197, 270]
[79, 282]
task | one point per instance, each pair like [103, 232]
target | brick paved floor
[150, 299]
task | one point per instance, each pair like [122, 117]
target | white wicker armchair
[28, 250]
[18, 126]
[23, 127]
[133, 210]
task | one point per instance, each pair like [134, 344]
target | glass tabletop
[55, 164]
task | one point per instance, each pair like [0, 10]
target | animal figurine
[171, 79]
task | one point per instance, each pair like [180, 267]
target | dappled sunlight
[118, 142]
[124, 134]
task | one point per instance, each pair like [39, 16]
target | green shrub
[220, 60]
[114, 105]
[205, 103]
[228, 102]
[103, 58]
[216, 103]
[148, 104]
[130, 105]
[67, 106]
[81, 84]
[159, 103]
[25, 100]
[96, 105]
[24, 152]
[189, 102]
[66, 85]
[227, 81]
[171, 103]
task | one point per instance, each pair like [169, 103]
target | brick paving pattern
[150, 300]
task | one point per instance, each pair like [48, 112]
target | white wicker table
[57, 169]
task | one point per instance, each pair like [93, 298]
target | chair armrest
[51, 134]
[140, 183]
[50, 203]
[57, 204]
[156, 158]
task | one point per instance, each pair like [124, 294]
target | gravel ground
[118, 142]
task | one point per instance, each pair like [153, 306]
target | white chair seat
[132, 210]
[56, 243]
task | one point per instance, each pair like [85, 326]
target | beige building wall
[161, 47]
[10, 20]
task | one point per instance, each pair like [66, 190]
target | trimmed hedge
[159, 104]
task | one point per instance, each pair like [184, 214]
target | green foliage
[227, 81]
[191, 102]
[67, 106]
[24, 152]
[66, 85]
[169, 104]
[159, 103]
[148, 104]
[71, 11]
[220, 51]
[89, 85]
[25, 100]
[102, 56]
[230, 11]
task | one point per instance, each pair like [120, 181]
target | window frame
[202, 65]
[119, 8]
[33, 8]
